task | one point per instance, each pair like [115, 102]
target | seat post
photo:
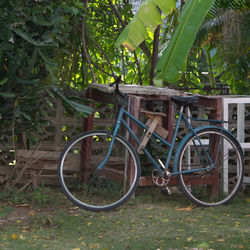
[188, 114]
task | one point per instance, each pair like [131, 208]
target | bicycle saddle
[185, 100]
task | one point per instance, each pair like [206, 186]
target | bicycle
[100, 170]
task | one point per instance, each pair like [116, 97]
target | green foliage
[42, 53]
[225, 35]
[33, 34]
[221, 46]
[39, 196]
[104, 23]
[173, 60]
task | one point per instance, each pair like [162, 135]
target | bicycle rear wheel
[86, 186]
[220, 181]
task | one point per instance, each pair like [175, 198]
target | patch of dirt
[26, 213]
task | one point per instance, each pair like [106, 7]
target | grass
[149, 221]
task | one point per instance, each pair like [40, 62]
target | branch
[155, 54]
[84, 44]
[105, 72]
[139, 68]
[123, 65]
[72, 66]
[104, 53]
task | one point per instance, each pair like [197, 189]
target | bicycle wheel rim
[216, 186]
[91, 189]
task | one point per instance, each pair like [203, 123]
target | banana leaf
[173, 59]
[147, 17]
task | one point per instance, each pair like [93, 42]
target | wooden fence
[40, 160]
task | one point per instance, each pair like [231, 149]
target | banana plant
[172, 60]
[147, 17]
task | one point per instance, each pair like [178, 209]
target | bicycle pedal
[166, 191]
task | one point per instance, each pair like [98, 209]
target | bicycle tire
[214, 186]
[95, 190]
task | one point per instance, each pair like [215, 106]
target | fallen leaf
[188, 219]
[21, 237]
[184, 209]
[189, 239]
[221, 240]
[22, 205]
[74, 208]
[94, 245]
[32, 212]
[14, 237]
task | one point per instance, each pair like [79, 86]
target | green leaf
[173, 60]
[28, 82]
[7, 95]
[2, 82]
[147, 17]
[29, 39]
[81, 108]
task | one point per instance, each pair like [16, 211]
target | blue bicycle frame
[162, 169]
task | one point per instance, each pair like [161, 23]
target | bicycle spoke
[98, 189]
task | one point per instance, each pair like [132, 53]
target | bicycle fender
[196, 130]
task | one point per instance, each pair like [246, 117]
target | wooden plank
[193, 180]
[159, 129]
[135, 89]
[151, 114]
[39, 154]
[6, 170]
[148, 134]
[46, 160]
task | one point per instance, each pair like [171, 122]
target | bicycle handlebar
[116, 83]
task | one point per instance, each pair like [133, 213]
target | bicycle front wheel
[91, 188]
[220, 177]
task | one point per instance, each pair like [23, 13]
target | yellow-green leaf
[147, 17]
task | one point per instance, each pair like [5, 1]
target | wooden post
[134, 103]
[170, 114]
[86, 147]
